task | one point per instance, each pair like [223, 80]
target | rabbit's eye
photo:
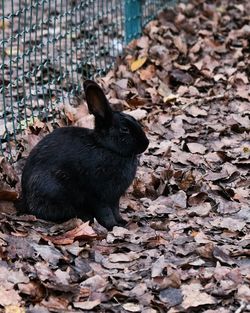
[124, 130]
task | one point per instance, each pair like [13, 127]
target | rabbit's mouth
[143, 145]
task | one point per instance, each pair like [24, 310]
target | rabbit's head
[116, 131]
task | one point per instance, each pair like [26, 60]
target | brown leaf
[158, 267]
[95, 283]
[135, 102]
[135, 65]
[187, 181]
[200, 210]
[55, 303]
[14, 309]
[33, 289]
[7, 207]
[123, 257]
[195, 147]
[164, 90]
[173, 280]
[229, 223]
[206, 251]
[180, 44]
[196, 111]
[132, 307]
[143, 42]
[177, 200]
[8, 195]
[83, 231]
[138, 114]
[9, 297]
[86, 305]
[47, 253]
[8, 170]
[144, 184]
[220, 255]
[243, 293]
[37, 124]
[194, 297]
[148, 73]
[122, 83]
[30, 141]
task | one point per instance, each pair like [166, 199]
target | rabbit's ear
[98, 104]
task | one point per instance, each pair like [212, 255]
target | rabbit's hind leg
[47, 199]
[50, 211]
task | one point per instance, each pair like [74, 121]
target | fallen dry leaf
[195, 147]
[148, 72]
[14, 309]
[132, 307]
[81, 231]
[86, 305]
[95, 283]
[138, 114]
[193, 296]
[135, 65]
[9, 297]
[180, 44]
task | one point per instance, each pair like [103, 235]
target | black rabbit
[80, 172]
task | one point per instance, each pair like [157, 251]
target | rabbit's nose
[143, 145]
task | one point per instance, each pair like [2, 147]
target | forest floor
[186, 247]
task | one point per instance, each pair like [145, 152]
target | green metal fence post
[133, 19]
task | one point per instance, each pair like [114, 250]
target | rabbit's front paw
[106, 218]
[120, 221]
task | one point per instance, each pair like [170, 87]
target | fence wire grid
[48, 46]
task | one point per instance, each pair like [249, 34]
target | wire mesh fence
[48, 46]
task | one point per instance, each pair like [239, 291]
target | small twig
[207, 99]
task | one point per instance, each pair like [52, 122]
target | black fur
[82, 172]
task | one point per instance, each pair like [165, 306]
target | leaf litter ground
[186, 245]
